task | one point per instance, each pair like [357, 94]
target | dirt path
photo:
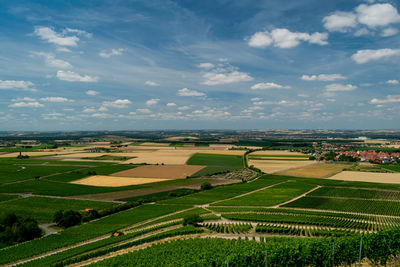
[90, 240]
[296, 198]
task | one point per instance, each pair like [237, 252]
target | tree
[67, 218]
[206, 186]
[192, 219]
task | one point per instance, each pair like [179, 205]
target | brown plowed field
[161, 171]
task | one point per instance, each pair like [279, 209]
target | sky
[210, 64]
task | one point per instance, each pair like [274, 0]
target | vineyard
[228, 228]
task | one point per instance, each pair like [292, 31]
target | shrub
[206, 186]
[67, 218]
[192, 219]
[15, 229]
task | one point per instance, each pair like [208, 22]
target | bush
[67, 218]
[192, 219]
[15, 229]
[206, 186]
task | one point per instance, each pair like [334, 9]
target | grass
[395, 168]
[223, 192]
[216, 160]
[13, 173]
[42, 209]
[350, 205]
[85, 231]
[356, 193]
[161, 195]
[270, 196]
[7, 197]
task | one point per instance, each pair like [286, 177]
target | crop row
[308, 220]
[185, 230]
[381, 207]
[301, 231]
[378, 248]
[356, 193]
[228, 228]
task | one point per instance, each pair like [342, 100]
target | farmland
[301, 205]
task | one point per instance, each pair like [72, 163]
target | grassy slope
[42, 209]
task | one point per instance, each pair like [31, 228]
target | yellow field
[373, 177]
[154, 144]
[276, 152]
[32, 154]
[316, 170]
[161, 171]
[115, 181]
[273, 166]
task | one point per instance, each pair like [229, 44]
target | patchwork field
[114, 181]
[315, 170]
[274, 166]
[372, 177]
[276, 153]
[161, 171]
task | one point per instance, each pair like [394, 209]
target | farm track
[89, 241]
[296, 198]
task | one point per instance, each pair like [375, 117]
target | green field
[42, 209]
[85, 231]
[216, 160]
[270, 196]
[356, 193]
[223, 192]
[350, 205]
[4, 197]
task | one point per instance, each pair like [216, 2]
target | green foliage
[381, 207]
[228, 228]
[7, 197]
[216, 160]
[85, 231]
[16, 229]
[67, 218]
[206, 186]
[192, 219]
[269, 196]
[356, 193]
[43, 208]
[162, 195]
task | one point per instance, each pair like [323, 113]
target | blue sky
[138, 65]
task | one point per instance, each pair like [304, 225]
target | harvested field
[115, 181]
[161, 171]
[316, 170]
[276, 152]
[273, 166]
[32, 154]
[171, 156]
[390, 178]
[154, 144]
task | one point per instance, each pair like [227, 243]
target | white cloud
[364, 56]
[55, 99]
[392, 82]
[113, 52]
[64, 49]
[171, 104]
[153, 101]
[256, 99]
[26, 98]
[92, 92]
[143, 110]
[102, 115]
[260, 39]
[388, 99]
[284, 38]
[188, 92]
[17, 85]
[183, 108]
[103, 108]
[206, 65]
[262, 86]
[372, 16]
[340, 21]
[151, 83]
[48, 34]
[31, 104]
[119, 103]
[75, 77]
[389, 32]
[323, 77]
[52, 61]
[216, 78]
[78, 32]
[89, 110]
[339, 87]
[377, 15]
